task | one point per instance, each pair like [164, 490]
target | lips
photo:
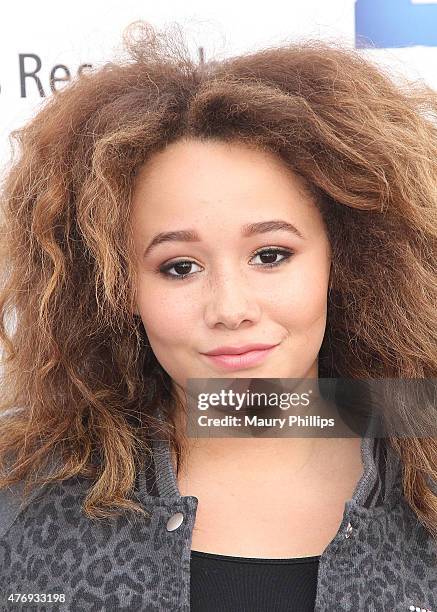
[238, 361]
[239, 350]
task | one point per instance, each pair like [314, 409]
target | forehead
[214, 180]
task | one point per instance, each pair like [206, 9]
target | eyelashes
[182, 266]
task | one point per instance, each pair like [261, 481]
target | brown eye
[182, 269]
[268, 257]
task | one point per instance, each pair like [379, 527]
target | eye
[270, 254]
[183, 266]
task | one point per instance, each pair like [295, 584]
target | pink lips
[242, 360]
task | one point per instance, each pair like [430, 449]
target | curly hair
[79, 378]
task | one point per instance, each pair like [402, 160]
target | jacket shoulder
[13, 502]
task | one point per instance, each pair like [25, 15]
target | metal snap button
[175, 521]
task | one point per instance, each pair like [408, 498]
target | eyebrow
[250, 229]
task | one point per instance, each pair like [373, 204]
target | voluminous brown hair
[76, 362]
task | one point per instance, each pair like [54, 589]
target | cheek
[302, 297]
[303, 315]
[167, 323]
[167, 320]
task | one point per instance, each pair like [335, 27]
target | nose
[231, 302]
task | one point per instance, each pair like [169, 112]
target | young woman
[279, 204]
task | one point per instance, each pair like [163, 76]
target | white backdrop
[36, 37]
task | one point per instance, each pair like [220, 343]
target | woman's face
[217, 288]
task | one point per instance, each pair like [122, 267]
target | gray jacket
[381, 559]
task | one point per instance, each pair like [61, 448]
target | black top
[221, 583]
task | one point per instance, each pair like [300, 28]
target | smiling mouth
[242, 360]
